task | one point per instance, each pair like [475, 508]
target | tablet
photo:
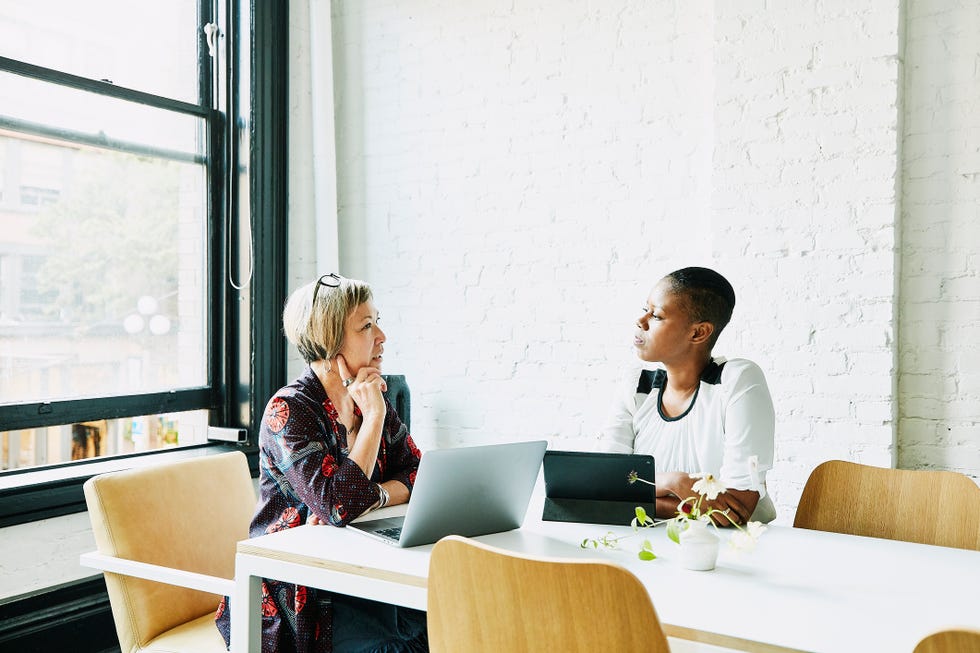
[594, 488]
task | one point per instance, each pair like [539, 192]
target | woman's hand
[739, 503]
[365, 388]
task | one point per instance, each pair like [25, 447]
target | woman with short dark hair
[693, 411]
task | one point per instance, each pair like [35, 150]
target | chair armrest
[168, 575]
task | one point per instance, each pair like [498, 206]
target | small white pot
[699, 546]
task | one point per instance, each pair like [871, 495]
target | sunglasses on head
[331, 280]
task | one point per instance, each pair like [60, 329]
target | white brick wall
[512, 179]
[939, 300]
[803, 209]
[503, 183]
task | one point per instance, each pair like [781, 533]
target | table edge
[332, 565]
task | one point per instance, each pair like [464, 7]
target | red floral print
[277, 414]
[300, 599]
[410, 443]
[382, 458]
[221, 607]
[329, 465]
[289, 518]
[331, 409]
[269, 608]
[338, 513]
[301, 418]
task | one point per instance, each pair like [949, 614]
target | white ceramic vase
[699, 546]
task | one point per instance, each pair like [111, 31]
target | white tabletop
[798, 590]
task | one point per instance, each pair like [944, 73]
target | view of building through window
[100, 286]
[104, 210]
[62, 444]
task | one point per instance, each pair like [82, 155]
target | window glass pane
[26, 101]
[102, 260]
[149, 46]
[61, 444]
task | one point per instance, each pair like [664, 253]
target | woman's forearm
[365, 449]
[397, 492]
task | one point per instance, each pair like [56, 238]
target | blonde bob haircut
[318, 331]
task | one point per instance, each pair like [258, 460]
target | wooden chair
[950, 641]
[481, 598]
[928, 507]
[166, 538]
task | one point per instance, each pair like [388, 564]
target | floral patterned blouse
[303, 469]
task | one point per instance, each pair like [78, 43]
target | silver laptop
[464, 491]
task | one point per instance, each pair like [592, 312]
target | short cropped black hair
[708, 297]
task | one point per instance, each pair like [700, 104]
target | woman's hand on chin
[365, 387]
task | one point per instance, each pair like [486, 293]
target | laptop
[593, 488]
[464, 491]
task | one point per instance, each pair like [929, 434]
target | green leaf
[646, 551]
[641, 515]
[673, 532]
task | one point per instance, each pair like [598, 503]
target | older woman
[331, 449]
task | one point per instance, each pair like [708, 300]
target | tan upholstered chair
[178, 524]
[481, 598]
[950, 641]
[927, 507]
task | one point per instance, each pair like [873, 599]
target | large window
[126, 266]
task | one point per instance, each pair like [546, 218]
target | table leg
[246, 618]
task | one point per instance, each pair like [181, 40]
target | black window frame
[247, 352]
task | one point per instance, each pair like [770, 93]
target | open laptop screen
[465, 491]
[594, 488]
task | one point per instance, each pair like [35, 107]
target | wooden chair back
[187, 515]
[928, 507]
[950, 641]
[481, 598]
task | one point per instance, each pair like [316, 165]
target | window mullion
[55, 413]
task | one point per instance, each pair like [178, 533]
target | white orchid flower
[707, 485]
[741, 541]
[755, 529]
[744, 541]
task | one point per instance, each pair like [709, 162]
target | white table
[798, 591]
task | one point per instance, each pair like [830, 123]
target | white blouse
[728, 430]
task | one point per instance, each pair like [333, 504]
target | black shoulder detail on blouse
[650, 379]
[712, 373]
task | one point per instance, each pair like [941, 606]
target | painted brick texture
[512, 179]
[939, 299]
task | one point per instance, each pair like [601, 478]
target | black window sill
[32, 495]
[73, 616]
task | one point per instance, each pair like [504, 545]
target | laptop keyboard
[394, 533]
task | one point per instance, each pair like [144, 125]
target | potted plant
[689, 528]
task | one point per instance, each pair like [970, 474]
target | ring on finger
[347, 382]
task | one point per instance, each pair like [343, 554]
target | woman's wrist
[372, 423]
[383, 496]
